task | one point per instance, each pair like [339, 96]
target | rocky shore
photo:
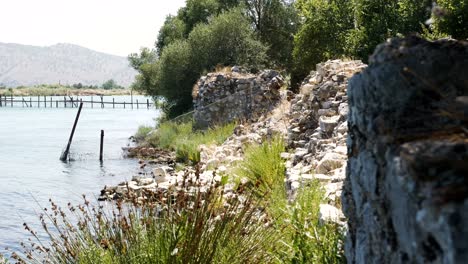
[313, 123]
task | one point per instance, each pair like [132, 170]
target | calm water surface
[31, 141]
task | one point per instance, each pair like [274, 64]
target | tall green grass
[185, 140]
[303, 239]
[265, 169]
[184, 226]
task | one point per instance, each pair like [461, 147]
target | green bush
[185, 141]
[142, 133]
[306, 239]
[263, 166]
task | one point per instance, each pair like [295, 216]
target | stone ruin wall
[390, 145]
[224, 97]
[406, 190]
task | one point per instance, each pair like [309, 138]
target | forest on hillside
[291, 36]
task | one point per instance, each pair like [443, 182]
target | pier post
[30, 102]
[113, 102]
[147, 103]
[92, 105]
[102, 101]
[11, 100]
[101, 148]
[64, 155]
[65, 102]
[138, 106]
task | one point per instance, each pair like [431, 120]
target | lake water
[31, 142]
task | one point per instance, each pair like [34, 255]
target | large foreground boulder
[406, 189]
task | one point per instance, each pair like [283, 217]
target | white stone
[329, 213]
[327, 124]
[343, 127]
[330, 162]
[160, 172]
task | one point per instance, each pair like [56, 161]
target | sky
[118, 27]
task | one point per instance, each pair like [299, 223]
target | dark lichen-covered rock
[406, 188]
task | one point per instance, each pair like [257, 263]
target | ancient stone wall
[224, 97]
[406, 189]
[318, 130]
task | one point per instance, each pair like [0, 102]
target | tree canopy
[292, 36]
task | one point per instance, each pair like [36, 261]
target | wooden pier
[71, 102]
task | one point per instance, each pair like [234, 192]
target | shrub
[142, 133]
[308, 240]
[182, 226]
[185, 141]
[264, 167]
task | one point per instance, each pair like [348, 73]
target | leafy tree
[452, 18]
[77, 85]
[321, 34]
[173, 29]
[227, 40]
[197, 11]
[276, 22]
[111, 84]
[377, 20]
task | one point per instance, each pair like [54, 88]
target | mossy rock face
[406, 194]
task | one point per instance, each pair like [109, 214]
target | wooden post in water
[138, 106]
[101, 148]
[56, 103]
[65, 153]
[147, 103]
[45, 101]
[92, 106]
[51, 102]
[1, 100]
[11, 100]
[124, 104]
[113, 102]
[65, 102]
[102, 101]
[30, 102]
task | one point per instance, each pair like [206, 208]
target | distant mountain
[60, 63]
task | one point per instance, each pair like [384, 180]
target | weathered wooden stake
[92, 105]
[147, 103]
[113, 102]
[65, 153]
[11, 98]
[101, 146]
[138, 106]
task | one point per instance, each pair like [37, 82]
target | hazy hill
[64, 63]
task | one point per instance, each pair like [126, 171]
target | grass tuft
[185, 140]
